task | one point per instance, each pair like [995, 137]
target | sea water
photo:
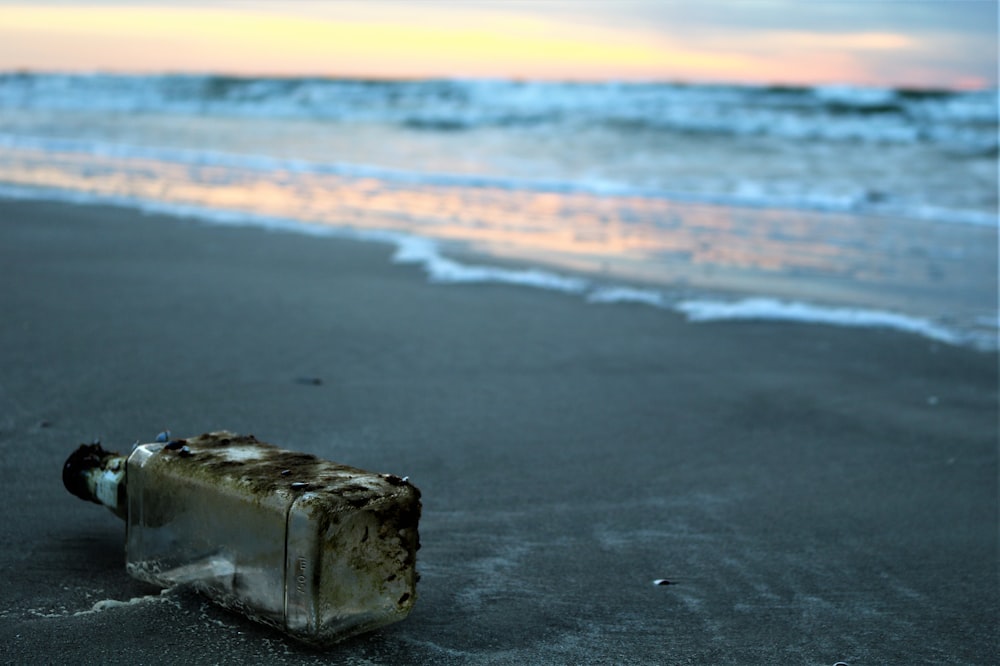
[851, 206]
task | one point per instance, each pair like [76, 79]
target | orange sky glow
[465, 40]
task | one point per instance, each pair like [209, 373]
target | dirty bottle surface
[318, 550]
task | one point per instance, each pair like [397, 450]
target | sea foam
[422, 251]
[795, 311]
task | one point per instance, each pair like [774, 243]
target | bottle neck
[98, 476]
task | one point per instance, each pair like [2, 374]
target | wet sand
[812, 494]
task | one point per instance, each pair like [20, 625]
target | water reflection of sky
[922, 268]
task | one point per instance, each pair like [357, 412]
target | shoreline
[455, 262]
[813, 494]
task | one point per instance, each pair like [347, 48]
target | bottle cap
[96, 475]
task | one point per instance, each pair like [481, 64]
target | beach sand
[812, 494]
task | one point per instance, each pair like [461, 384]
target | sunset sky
[937, 43]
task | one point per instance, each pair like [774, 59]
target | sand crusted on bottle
[366, 534]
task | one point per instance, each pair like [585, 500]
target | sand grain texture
[812, 494]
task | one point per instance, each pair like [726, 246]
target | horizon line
[417, 78]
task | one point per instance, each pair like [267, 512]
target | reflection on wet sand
[920, 267]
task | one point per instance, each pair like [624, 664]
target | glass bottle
[318, 550]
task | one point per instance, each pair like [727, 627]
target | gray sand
[813, 494]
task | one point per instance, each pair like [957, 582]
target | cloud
[847, 41]
[774, 41]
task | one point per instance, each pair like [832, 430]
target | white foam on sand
[794, 311]
[772, 309]
[100, 606]
[106, 604]
[628, 295]
[425, 252]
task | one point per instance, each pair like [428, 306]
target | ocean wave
[965, 120]
[742, 193]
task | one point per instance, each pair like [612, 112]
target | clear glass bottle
[319, 550]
